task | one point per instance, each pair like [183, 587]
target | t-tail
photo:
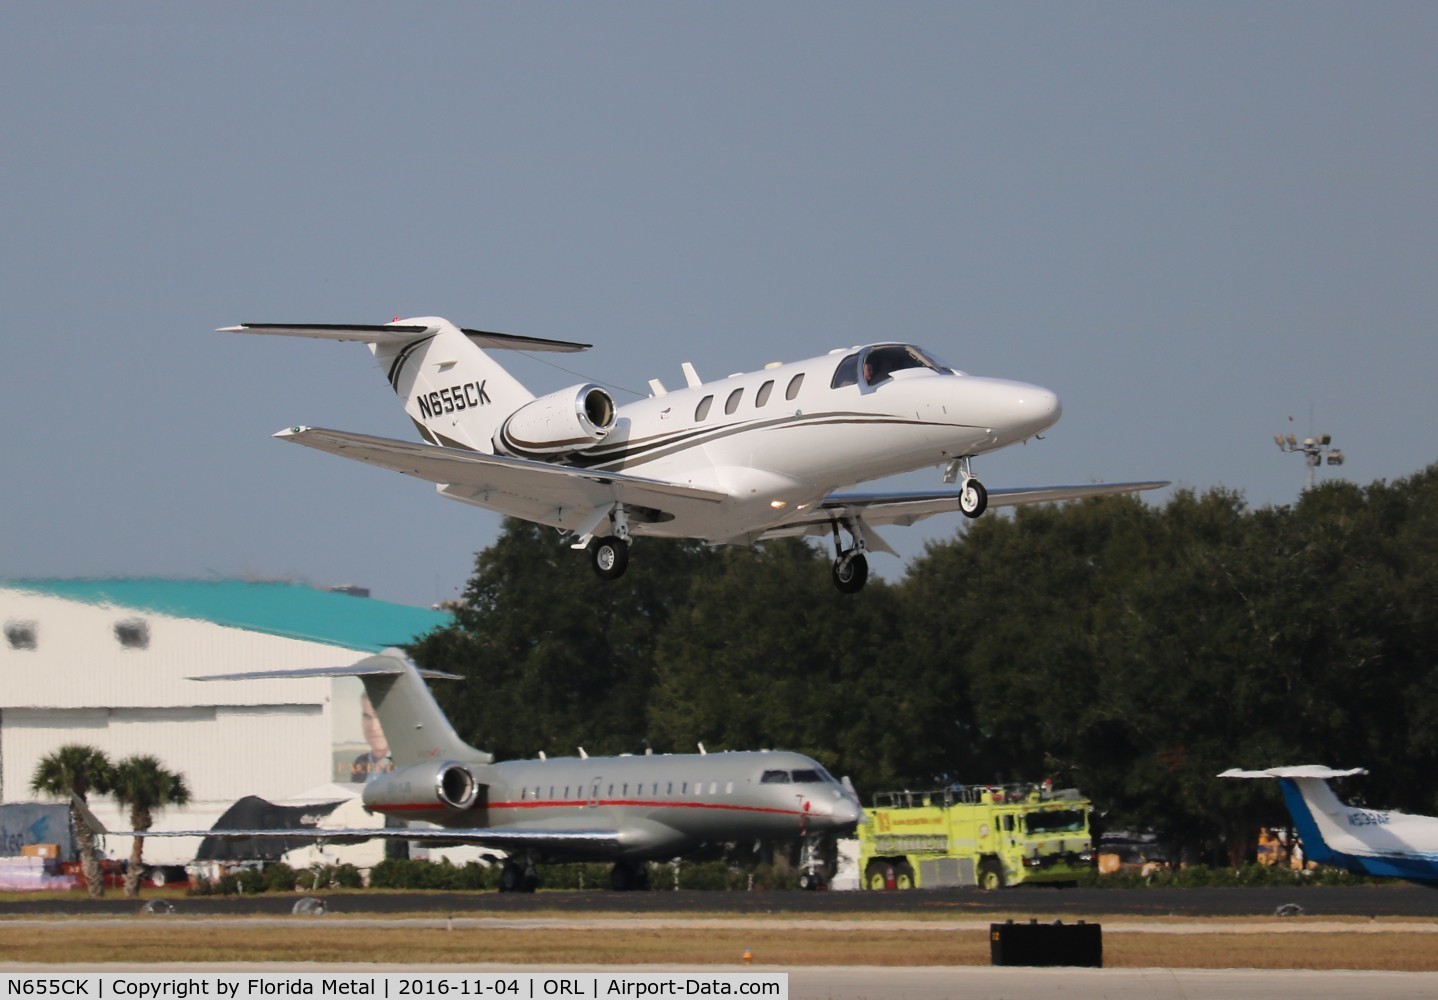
[459, 396]
[1381, 842]
[414, 725]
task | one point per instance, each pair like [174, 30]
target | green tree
[73, 772]
[141, 784]
[557, 658]
[766, 654]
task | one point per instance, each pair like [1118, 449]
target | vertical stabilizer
[455, 392]
[450, 385]
[414, 725]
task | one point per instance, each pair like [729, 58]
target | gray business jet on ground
[625, 809]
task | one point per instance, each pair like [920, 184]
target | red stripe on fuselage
[586, 804]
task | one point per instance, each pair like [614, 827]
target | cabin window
[656, 789]
[684, 788]
[551, 792]
[732, 403]
[847, 373]
[21, 635]
[625, 792]
[702, 410]
[611, 791]
[713, 788]
[774, 778]
[669, 788]
[729, 788]
[763, 395]
[794, 384]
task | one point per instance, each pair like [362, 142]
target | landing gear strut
[610, 554]
[851, 566]
[973, 498]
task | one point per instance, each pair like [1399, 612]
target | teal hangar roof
[291, 610]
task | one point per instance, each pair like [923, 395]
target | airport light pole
[1316, 450]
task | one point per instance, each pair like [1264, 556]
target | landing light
[778, 504]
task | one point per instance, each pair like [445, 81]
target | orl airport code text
[393, 986]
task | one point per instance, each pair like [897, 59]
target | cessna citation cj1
[625, 809]
[745, 458]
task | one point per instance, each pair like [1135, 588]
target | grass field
[606, 941]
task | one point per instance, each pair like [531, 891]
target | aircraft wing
[505, 838]
[906, 508]
[509, 485]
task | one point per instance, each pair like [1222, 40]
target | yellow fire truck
[985, 835]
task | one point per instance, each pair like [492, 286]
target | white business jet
[753, 456]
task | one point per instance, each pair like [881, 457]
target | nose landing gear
[973, 498]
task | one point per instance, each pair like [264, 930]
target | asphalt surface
[1399, 900]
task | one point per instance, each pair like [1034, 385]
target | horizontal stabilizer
[380, 333]
[382, 665]
[1295, 771]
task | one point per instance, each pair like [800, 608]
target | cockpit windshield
[877, 364]
[799, 776]
[880, 363]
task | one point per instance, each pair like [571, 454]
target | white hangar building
[108, 663]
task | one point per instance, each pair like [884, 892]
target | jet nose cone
[846, 812]
[1032, 409]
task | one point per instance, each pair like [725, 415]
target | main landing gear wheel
[851, 572]
[627, 876]
[610, 555]
[516, 878]
[973, 498]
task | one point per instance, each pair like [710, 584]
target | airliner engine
[439, 783]
[562, 422]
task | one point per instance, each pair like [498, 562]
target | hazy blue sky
[1192, 221]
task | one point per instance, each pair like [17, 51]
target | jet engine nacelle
[448, 784]
[562, 422]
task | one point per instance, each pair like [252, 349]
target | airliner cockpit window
[774, 778]
[847, 373]
[808, 777]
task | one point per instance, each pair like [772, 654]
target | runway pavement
[1395, 900]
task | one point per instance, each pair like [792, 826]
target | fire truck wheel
[903, 875]
[879, 875]
[991, 874]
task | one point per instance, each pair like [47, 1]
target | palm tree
[72, 773]
[142, 783]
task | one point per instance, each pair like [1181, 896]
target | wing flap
[478, 472]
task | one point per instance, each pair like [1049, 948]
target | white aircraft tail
[454, 391]
[415, 727]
